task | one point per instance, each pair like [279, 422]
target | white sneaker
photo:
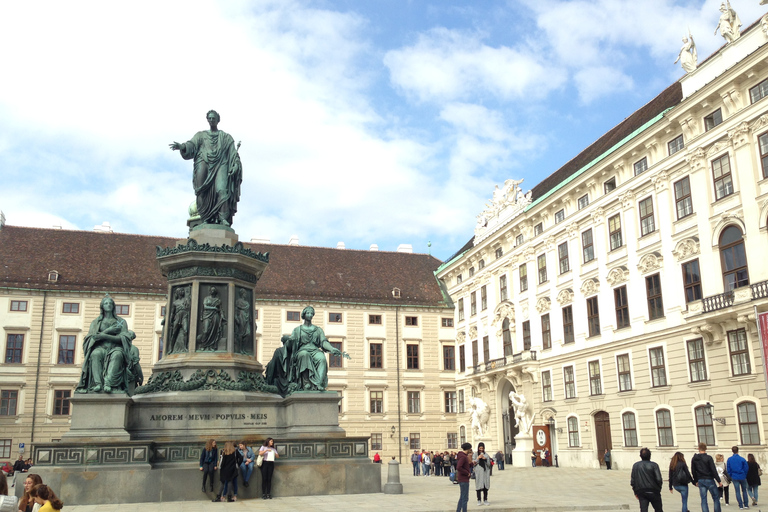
[480, 503]
[486, 502]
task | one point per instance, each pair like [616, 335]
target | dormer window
[641, 166]
[713, 119]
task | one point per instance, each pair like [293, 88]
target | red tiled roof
[91, 261]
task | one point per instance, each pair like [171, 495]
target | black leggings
[267, 468]
[485, 494]
[208, 470]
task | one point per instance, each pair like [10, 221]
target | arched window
[462, 435]
[704, 430]
[733, 259]
[630, 428]
[664, 427]
[750, 434]
[506, 337]
[573, 431]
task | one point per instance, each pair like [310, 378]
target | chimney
[103, 228]
[340, 245]
[405, 248]
[294, 240]
[374, 247]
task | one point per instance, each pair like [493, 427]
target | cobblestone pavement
[515, 489]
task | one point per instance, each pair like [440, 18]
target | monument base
[521, 455]
[99, 416]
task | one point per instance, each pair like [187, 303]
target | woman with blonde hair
[47, 499]
[27, 503]
[725, 478]
[230, 461]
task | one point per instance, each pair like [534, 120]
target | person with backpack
[425, 462]
[680, 477]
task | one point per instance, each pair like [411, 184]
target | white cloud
[598, 81]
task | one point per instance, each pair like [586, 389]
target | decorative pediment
[598, 215]
[565, 297]
[590, 287]
[543, 304]
[717, 147]
[761, 121]
[529, 254]
[551, 241]
[504, 310]
[617, 275]
[472, 332]
[686, 248]
[696, 157]
[627, 199]
[649, 262]
[572, 230]
[739, 135]
[507, 202]
[660, 181]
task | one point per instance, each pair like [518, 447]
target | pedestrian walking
[500, 460]
[482, 463]
[462, 476]
[737, 468]
[705, 477]
[646, 482]
[607, 459]
[753, 478]
[680, 477]
[724, 478]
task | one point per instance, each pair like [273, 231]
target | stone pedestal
[521, 455]
[393, 485]
[102, 417]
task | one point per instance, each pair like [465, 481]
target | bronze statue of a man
[217, 174]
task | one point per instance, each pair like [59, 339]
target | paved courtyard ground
[515, 489]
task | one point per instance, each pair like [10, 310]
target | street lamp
[551, 423]
[393, 431]
[710, 410]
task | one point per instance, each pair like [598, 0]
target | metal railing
[493, 364]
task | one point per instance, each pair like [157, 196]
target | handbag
[759, 471]
[259, 460]
[472, 474]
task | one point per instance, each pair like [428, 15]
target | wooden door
[602, 434]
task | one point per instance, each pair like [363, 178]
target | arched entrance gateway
[602, 434]
[507, 415]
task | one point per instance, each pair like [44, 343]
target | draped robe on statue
[306, 344]
[105, 361]
[217, 175]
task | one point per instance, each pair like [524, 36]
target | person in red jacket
[463, 470]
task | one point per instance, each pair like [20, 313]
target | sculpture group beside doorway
[481, 413]
[523, 412]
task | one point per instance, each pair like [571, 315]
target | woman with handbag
[753, 477]
[680, 477]
[230, 461]
[208, 461]
[268, 454]
[724, 477]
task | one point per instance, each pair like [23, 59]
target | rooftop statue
[217, 174]
[110, 363]
[688, 57]
[729, 24]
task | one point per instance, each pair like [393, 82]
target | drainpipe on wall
[37, 376]
[397, 345]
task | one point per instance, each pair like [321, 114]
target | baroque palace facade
[386, 309]
[587, 294]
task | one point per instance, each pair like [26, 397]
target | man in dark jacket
[646, 482]
[705, 475]
[737, 468]
[463, 470]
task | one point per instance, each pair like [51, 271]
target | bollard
[393, 485]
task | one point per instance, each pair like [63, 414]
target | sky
[381, 122]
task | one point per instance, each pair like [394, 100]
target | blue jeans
[415, 468]
[463, 497]
[246, 470]
[683, 490]
[709, 485]
[425, 467]
[740, 489]
[752, 490]
[226, 486]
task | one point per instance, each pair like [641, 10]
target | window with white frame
[450, 401]
[713, 119]
[705, 431]
[546, 386]
[587, 246]
[538, 229]
[583, 201]
[624, 372]
[460, 400]
[658, 368]
[569, 381]
[414, 402]
[696, 363]
[759, 91]
[376, 442]
[664, 427]
[573, 432]
[647, 223]
[721, 174]
[595, 386]
[630, 428]
[377, 402]
[640, 166]
[559, 216]
[737, 346]
[683, 201]
[562, 256]
[750, 434]
[675, 145]
[541, 262]
[614, 232]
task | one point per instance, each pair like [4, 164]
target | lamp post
[710, 410]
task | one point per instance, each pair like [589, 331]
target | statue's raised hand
[175, 146]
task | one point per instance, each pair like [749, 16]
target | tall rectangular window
[609, 185]
[8, 402]
[658, 369]
[538, 229]
[449, 358]
[675, 145]
[376, 442]
[750, 432]
[546, 332]
[630, 428]
[460, 400]
[759, 91]
[573, 432]
[472, 304]
[587, 247]
[483, 298]
[713, 119]
[696, 362]
[541, 262]
[523, 277]
[721, 173]
[625, 374]
[499, 252]
[583, 201]
[647, 224]
[692, 281]
[14, 348]
[664, 427]
[450, 402]
[527, 335]
[412, 356]
[377, 353]
[414, 402]
[415, 440]
[683, 201]
[546, 386]
[377, 402]
[559, 216]
[737, 346]
[568, 336]
[503, 295]
[336, 361]
[462, 359]
[562, 256]
[475, 354]
[461, 309]
[640, 166]
[614, 231]
[66, 349]
[452, 440]
[519, 240]
[595, 386]
[653, 291]
[704, 429]
[622, 307]
[486, 350]
[570, 382]
[763, 144]
[5, 448]
[593, 317]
